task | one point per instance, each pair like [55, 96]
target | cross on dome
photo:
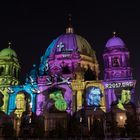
[9, 45]
[114, 34]
[60, 46]
[69, 29]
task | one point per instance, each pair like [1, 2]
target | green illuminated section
[5, 99]
[60, 103]
[9, 70]
[125, 99]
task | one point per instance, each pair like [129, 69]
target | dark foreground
[76, 138]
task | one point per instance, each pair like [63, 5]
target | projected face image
[58, 98]
[125, 96]
[93, 96]
[56, 95]
[20, 101]
[125, 99]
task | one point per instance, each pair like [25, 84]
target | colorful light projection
[93, 96]
[58, 98]
[43, 68]
[20, 103]
[40, 104]
[4, 92]
[44, 103]
[30, 88]
[125, 99]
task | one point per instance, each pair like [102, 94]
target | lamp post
[81, 126]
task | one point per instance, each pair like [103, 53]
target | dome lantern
[70, 28]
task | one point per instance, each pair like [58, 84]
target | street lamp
[121, 117]
[81, 126]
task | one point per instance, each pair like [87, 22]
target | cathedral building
[66, 83]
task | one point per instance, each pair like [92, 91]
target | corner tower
[117, 70]
[9, 70]
[9, 67]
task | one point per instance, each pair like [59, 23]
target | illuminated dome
[71, 43]
[68, 54]
[68, 51]
[115, 42]
[8, 52]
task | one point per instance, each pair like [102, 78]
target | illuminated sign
[120, 84]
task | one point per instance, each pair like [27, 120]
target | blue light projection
[32, 76]
[44, 63]
[30, 88]
[93, 96]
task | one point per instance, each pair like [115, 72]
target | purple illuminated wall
[59, 63]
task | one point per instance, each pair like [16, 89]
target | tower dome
[115, 42]
[8, 52]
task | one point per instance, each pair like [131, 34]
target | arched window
[15, 74]
[66, 70]
[89, 75]
[115, 62]
[1, 70]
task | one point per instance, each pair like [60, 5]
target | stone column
[7, 69]
[79, 99]
[74, 101]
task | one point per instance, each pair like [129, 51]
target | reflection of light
[80, 119]
[121, 117]
[30, 104]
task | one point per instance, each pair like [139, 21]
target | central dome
[71, 43]
[69, 51]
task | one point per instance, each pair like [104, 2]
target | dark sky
[31, 27]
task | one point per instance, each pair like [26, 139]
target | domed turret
[118, 74]
[115, 42]
[8, 52]
[9, 66]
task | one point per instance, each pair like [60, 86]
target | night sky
[31, 27]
